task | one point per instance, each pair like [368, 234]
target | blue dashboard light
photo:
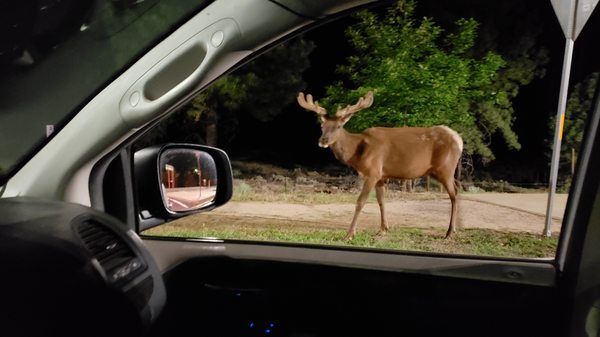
[251, 325]
[267, 331]
[271, 325]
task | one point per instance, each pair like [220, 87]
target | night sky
[291, 138]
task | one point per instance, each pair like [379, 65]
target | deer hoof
[382, 232]
[348, 237]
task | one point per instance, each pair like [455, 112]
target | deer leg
[380, 191]
[360, 203]
[452, 192]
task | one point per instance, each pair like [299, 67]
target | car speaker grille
[115, 256]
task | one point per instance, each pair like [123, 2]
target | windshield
[56, 55]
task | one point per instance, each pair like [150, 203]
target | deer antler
[311, 105]
[363, 103]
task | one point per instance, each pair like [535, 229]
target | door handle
[178, 73]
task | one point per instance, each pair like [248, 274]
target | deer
[381, 153]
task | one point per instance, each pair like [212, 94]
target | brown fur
[378, 154]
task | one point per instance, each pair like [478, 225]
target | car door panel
[220, 295]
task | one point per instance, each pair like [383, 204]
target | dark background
[290, 140]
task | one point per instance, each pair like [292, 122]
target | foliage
[242, 191]
[579, 104]
[245, 192]
[262, 88]
[518, 40]
[274, 79]
[467, 241]
[423, 76]
[503, 187]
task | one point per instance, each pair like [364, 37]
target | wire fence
[501, 186]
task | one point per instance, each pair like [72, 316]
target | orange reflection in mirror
[188, 178]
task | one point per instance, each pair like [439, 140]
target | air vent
[115, 256]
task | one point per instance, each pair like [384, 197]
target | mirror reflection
[188, 179]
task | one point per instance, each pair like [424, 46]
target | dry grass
[267, 183]
[270, 192]
[465, 242]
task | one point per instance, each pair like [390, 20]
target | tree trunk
[211, 128]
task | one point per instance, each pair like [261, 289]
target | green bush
[242, 191]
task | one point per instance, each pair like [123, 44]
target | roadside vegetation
[468, 241]
[256, 182]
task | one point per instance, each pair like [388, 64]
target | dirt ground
[487, 213]
[506, 212]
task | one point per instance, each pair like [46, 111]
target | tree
[225, 95]
[262, 88]
[423, 76]
[579, 104]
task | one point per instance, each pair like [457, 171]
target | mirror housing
[175, 180]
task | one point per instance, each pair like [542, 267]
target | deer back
[406, 152]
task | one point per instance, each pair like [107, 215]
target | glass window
[81, 45]
[412, 106]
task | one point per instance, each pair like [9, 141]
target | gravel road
[499, 211]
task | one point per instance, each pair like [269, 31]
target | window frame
[170, 251]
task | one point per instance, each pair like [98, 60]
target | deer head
[333, 126]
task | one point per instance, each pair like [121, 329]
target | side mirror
[174, 180]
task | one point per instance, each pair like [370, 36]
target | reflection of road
[186, 198]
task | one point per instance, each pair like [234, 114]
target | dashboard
[70, 270]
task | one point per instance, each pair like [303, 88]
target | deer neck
[346, 146]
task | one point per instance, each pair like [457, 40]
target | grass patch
[245, 192]
[330, 231]
[299, 198]
[466, 242]
[506, 244]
